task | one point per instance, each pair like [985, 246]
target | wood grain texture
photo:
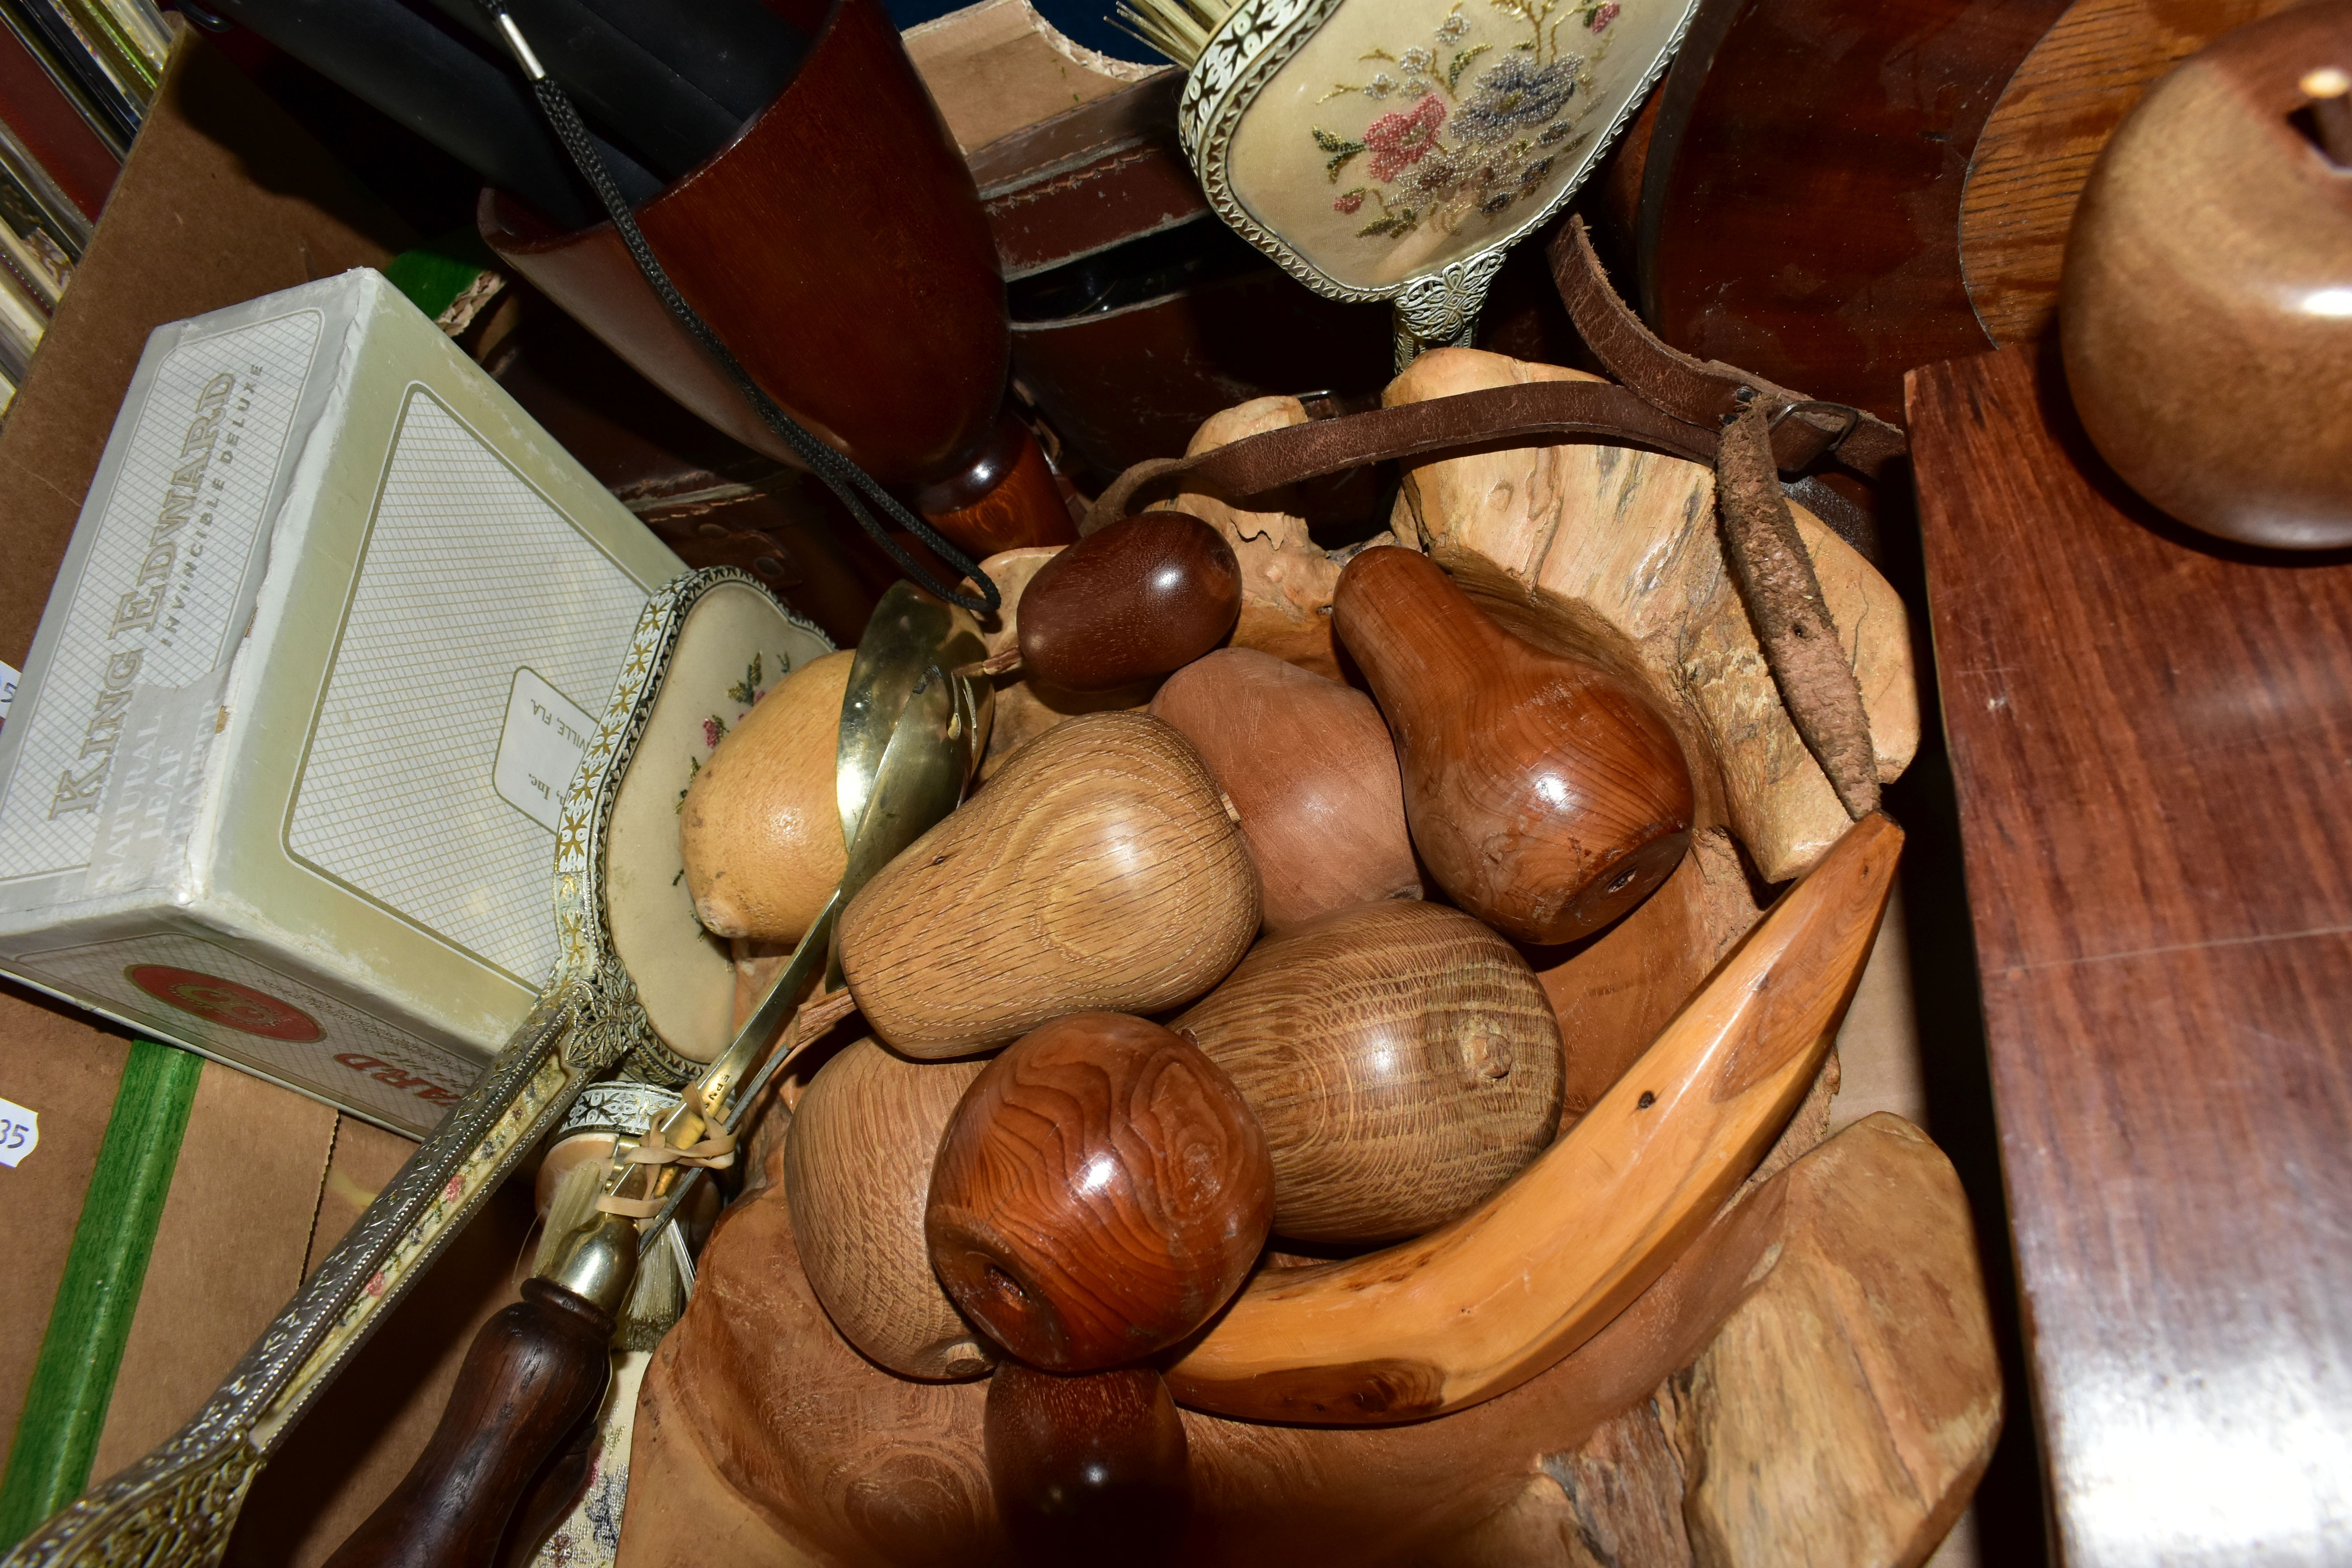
[1311, 768]
[1613, 555]
[1027, 706]
[2037, 149]
[857, 1170]
[2149, 734]
[1801, 203]
[1140, 598]
[1098, 869]
[761, 823]
[1483, 1304]
[1007, 500]
[1102, 1189]
[1086, 1469]
[763, 1439]
[534, 1371]
[1546, 795]
[2202, 356]
[1613, 994]
[1401, 1059]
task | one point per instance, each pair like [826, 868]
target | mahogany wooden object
[1100, 868]
[1547, 797]
[1310, 767]
[1401, 1059]
[1007, 500]
[534, 1371]
[761, 823]
[1823, 1354]
[2211, 361]
[1140, 598]
[1101, 1190]
[1802, 195]
[1491, 1300]
[857, 1170]
[838, 247]
[1087, 1469]
[2149, 732]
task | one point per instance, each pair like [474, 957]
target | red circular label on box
[224, 1002]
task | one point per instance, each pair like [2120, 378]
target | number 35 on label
[20, 1133]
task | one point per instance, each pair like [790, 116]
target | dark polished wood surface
[2152, 738]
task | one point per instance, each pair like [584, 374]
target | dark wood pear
[1101, 1191]
[1403, 1060]
[1145, 596]
[1310, 767]
[1087, 1469]
[530, 1376]
[1100, 868]
[1546, 795]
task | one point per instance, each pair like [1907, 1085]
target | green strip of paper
[73, 1380]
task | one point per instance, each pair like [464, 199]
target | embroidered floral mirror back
[1395, 148]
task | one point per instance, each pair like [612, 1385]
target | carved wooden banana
[1483, 1304]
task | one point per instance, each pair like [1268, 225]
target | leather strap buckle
[1811, 439]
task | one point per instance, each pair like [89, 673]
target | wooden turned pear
[1310, 767]
[1401, 1059]
[1546, 795]
[1087, 1469]
[761, 823]
[1148, 595]
[1101, 1191]
[857, 1170]
[1100, 868]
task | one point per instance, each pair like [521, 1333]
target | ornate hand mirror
[1396, 149]
[638, 993]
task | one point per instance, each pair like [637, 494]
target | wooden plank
[2152, 738]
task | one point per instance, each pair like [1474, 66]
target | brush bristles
[657, 1298]
[1177, 28]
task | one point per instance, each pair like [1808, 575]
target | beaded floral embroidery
[1482, 123]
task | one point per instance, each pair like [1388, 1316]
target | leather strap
[1495, 417]
[1709, 391]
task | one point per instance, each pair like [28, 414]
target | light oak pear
[857, 1169]
[1401, 1059]
[1310, 767]
[1100, 869]
[761, 825]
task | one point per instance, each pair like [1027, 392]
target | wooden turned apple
[761, 823]
[1102, 1189]
[1145, 596]
[1546, 795]
[1090, 1468]
[2205, 308]
[1310, 767]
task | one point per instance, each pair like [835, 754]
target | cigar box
[280, 783]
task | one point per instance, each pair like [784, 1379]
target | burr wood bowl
[1678, 1211]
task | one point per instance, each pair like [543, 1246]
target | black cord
[851, 483]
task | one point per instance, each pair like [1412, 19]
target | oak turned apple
[1546, 795]
[1100, 868]
[1142, 597]
[1310, 767]
[1090, 1469]
[1401, 1059]
[1101, 1191]
[2205, 308]
[761, 823]
[858, 1171]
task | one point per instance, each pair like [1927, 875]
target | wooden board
[2037, 149]
[2152, 738]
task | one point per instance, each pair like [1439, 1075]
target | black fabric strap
[851, 483]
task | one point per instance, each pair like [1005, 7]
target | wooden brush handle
[533, 1371]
